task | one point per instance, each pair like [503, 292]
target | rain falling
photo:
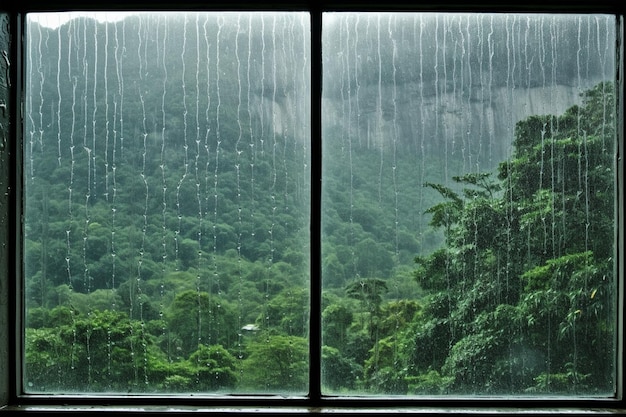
[175, 210]
[467, 203]
[459, 172]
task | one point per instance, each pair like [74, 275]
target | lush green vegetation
[521, 299]
[176, 260]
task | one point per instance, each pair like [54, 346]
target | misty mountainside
[458, 82]
[478, 131]
[410, 99]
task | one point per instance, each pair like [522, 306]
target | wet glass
[167, 189]
[468, 233]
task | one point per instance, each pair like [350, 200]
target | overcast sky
[56, 19]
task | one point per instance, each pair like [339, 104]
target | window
[325, 207]
[178, 197]
[416, 108]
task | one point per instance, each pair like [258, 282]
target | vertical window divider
[620, 348]
[315, 325]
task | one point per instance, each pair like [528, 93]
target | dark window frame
[11, 209]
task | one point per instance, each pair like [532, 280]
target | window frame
[11, 204]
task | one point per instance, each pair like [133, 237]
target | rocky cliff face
[478, 127]
[456, 83]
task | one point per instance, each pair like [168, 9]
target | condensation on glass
[468, 204]
[167, 187]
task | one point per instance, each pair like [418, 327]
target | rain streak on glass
[166, 245]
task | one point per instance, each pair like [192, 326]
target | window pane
[167, 193]
[468, 204]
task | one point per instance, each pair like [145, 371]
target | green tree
[213, 369]
[370, 293]
[99, 351]
[336, 320]
[521, 298]
[197, 318]
[276, 363]
[287, 313]
[338, 372]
